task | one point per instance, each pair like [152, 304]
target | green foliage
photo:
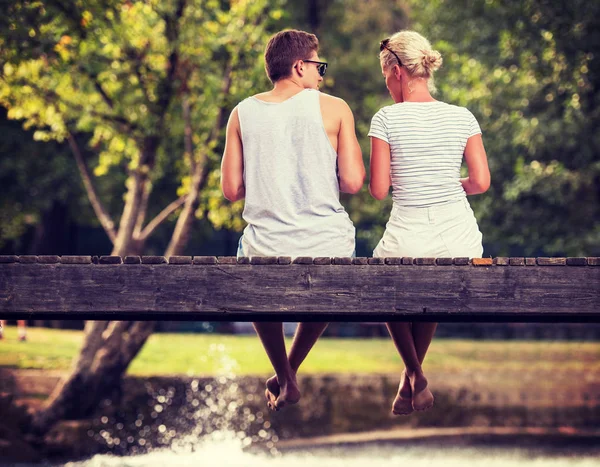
[119, 71]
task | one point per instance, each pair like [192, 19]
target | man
[289, 152]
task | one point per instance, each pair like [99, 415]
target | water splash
[212, 410]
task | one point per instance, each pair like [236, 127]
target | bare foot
[422, 399]
[279, 395]
[403, 403]
[272, 392]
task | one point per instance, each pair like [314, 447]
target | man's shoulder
[333, 101]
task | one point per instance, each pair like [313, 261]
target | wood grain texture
[300, 292]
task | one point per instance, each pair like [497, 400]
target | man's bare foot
[280, 395]
[403, 403]
[422, 398]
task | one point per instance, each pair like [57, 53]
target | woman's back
[427, 141]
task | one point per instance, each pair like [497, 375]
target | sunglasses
[384, 45]
[321, 66]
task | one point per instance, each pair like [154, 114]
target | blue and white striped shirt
[427, 141]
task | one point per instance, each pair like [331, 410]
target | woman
[417, 147]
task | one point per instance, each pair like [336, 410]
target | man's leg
[271, 336]
[2, 323]
[304, 339]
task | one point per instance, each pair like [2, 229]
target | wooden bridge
[207, 288]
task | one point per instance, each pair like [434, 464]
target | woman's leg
[2, 323]
[412, 350]
[271, 336]
[304, 339]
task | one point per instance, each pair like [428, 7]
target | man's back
[292, 194]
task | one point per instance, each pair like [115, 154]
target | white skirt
[441, 231]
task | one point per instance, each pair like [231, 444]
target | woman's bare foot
[422, 398]
[403, 403]
[272, 392]
[280, 395]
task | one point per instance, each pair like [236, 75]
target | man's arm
[232, 165]
[351, 168]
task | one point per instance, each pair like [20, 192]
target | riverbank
[161, 412]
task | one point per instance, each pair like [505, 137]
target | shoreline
[451, 436]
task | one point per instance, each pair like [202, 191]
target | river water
[230, 453]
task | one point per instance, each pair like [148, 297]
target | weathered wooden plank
[180, 260]
[205, 260]
[228, 259]
[342, 261]
[501, 261]
[303, 260]
[376, 261]
[463, 261]
[425, 261]
[593, 261]
[132, 260]
[243, 260]
[109, 260]
[154, 260]
[263, 260]
[360, 260]
[322, 260]
[48, 259]
[444, 261]
[516, 261]
[28, 259]
[393, 261]
[577, 261]
[407, 261]
[551, 261]
[4, 259]
[482, 261]
[300, 292]
[76, 259]
[284, 260]
[530, 262]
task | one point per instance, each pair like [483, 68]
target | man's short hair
[284, 48]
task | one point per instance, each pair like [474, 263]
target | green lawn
[209, 354]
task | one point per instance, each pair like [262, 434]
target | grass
[210, 354]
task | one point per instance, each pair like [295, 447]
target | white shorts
[442, 231]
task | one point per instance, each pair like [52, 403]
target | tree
[143, 78]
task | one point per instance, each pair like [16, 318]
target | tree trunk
[108, 349]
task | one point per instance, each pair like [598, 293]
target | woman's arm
[478, 180]
[232, 165]
[380, 182]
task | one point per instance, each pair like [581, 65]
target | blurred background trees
[99, 72]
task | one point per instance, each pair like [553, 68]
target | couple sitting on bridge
[291, 150]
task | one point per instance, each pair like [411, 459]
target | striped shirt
[427, 141]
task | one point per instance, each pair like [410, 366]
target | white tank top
[292, 202]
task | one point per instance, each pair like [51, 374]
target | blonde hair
[415, 53]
